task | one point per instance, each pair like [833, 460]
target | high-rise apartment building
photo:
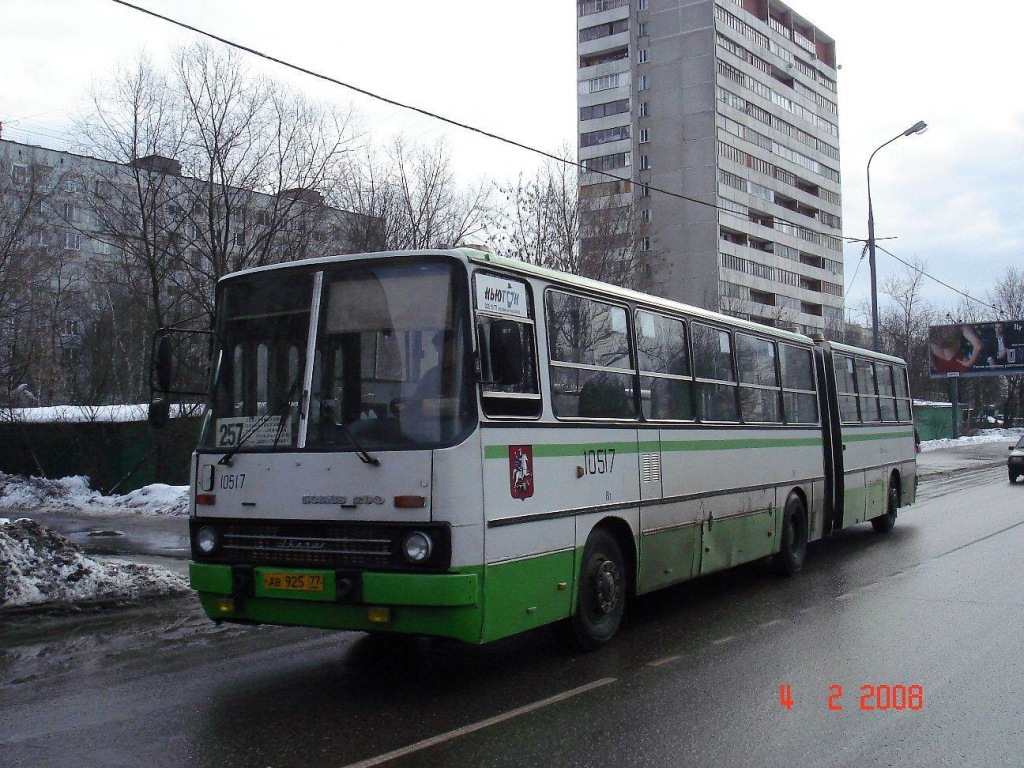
[731, 104]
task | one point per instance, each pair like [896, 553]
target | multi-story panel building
[74, 229]
[721, 118]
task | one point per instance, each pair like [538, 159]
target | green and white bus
[456, 444]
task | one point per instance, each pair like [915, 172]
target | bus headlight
[207, 540]
[417, 547]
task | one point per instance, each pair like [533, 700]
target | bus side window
[591, 373]
[712, 364]
[508, 367]
[665, 384]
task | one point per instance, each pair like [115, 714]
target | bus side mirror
[162, 365]
[159, 412]
[506, 352]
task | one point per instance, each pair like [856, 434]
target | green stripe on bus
[876, 436]
[738, 443]
[574, 449]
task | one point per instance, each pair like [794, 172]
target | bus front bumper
[445, 604]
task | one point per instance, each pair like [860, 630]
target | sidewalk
[963, 457]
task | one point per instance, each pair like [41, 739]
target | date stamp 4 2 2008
[873, 698]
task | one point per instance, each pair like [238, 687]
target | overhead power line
[482, 132]
[932, 277]
[418, 110]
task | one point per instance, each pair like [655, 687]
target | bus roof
[481, 257]
[838, 347]
[477, 256]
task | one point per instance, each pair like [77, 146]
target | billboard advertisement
[976, 349]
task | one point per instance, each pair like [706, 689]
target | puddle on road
[95, 541]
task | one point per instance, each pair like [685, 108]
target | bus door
[832, 438]
[669, 523]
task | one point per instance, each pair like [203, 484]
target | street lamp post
[919, 127]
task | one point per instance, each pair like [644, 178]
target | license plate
[294, 582]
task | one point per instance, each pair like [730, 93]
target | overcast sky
[951, 196]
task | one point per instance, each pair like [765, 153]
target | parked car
[1015, 461]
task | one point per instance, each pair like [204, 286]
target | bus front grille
[331, 546]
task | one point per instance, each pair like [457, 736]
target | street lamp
[919, 127]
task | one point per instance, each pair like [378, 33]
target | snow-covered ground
[38, 566]
[19, 493]
[1007, 436]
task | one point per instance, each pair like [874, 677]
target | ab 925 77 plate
[296, 582]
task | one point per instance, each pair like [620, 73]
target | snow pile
[74, 494]
[1008, 436]
[76, 414]
[38, 566]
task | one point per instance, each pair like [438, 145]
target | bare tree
[1008, 297]
[217, 170]
[904, 320]
[537, 220]
[27, 187]
[409, 198]
[545, 220]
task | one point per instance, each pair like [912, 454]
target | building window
[645, 163]
[645, 191]
[645, 135]
[238, 239]
[603, 30]
[641, 5]
[645, 244]
[644, 29]
[19, 174]
[587, 7]
[594, 138]
[645, 214]
[645, 82]
[644, 56]
[71, 186]
[607, 162]
[603, 83]
[604, 110]
[72, 241]
[645, 109]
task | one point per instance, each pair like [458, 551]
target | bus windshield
[262, 326]
[389, 367]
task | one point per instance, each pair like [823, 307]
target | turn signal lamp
[378, 615]
[225, 605]
[206, 499]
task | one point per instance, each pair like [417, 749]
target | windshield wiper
[364, 457]
[281, 407]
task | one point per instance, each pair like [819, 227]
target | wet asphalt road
[692, 680]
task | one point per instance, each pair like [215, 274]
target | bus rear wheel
[601, 595]
[885, 523]
[793, 547]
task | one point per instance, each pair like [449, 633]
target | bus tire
[793, 544]
[601, 593]
[885, 523]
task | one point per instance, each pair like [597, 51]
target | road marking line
[666, 660]
[466, 729]
[771, 623]
[723, 640]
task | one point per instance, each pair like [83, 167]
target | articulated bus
[456, 444]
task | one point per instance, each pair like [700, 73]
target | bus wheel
[884, 523]
[601, 595]
[793, 547]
